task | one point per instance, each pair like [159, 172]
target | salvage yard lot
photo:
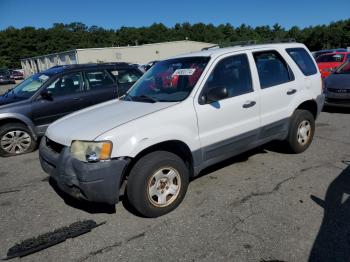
[260, 206]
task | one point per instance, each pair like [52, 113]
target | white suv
[185, 114]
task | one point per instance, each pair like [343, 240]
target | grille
[56, 147]
[339, 91]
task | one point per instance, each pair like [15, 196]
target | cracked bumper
[96, 182]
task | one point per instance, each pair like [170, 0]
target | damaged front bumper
[96, 182]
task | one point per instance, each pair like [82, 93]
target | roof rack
[249, 43]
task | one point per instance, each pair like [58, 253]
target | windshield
[330, 58]
[29, 86]
[344, 69]
[168, 81]
[4, 72]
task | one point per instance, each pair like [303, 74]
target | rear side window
[124, 76]
[98, 79]
[272, 69]
[303, 60]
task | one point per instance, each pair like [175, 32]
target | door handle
[77, 98]
[291, 91]
[249, 104]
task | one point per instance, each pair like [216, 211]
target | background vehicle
[17, 75]
[148, 66]
[323, 52]
[27, 109]
[329, 62]
[162, 133]
[337, 87]
[5, 77]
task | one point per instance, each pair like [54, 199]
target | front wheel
[15, 139]
[301, 131]
[157, 183]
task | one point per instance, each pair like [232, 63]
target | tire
[24, 140]
[301, 131]
[149, 178]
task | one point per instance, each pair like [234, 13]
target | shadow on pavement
[337, 110]
[89, 207]
[333, 240]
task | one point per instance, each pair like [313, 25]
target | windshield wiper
[127, 97]
[145, 98]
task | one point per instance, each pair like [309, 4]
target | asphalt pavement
[264, 205]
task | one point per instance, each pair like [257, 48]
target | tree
[16, 44]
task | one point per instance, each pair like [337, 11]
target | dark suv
[27, 109]
[5, 77]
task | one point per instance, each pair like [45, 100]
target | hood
[9, 98]
[92, 122]
[338, 81]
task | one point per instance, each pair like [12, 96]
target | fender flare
[21, 118]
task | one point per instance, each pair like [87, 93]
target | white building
[141, 54]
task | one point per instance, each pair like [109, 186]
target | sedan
[337, 87]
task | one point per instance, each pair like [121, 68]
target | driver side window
[66, 85]
[233, 73]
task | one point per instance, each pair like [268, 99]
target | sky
[111, 14]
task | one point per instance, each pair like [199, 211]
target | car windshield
[344, 69]
[168, 81]
[330, 58]
[4, 72]
[29, 86]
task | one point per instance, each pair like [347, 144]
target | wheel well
[176, 147]
[309, 105]
[5, 121]
[11, 120]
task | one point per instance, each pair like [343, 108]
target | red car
[329, 62]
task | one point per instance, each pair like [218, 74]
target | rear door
[67, 95]
[230, 125]
[100, 86]
[278, 89]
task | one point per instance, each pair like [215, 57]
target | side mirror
[47, 95]
[215, 94]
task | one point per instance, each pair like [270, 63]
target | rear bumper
[96, 182]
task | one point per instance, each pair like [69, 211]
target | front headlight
[91, 151]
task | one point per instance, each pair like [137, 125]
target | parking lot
[264, 205]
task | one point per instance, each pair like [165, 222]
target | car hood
[89, 123]
[9, 98]
[339, 81]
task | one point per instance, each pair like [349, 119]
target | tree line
[16, 44]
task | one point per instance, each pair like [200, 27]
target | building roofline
[115, 47]
[51, 54]
[138, 46]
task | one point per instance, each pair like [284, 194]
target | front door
[229, 126]
[66, 95]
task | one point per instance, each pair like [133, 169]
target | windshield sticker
[184, 72]
[43, 77]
